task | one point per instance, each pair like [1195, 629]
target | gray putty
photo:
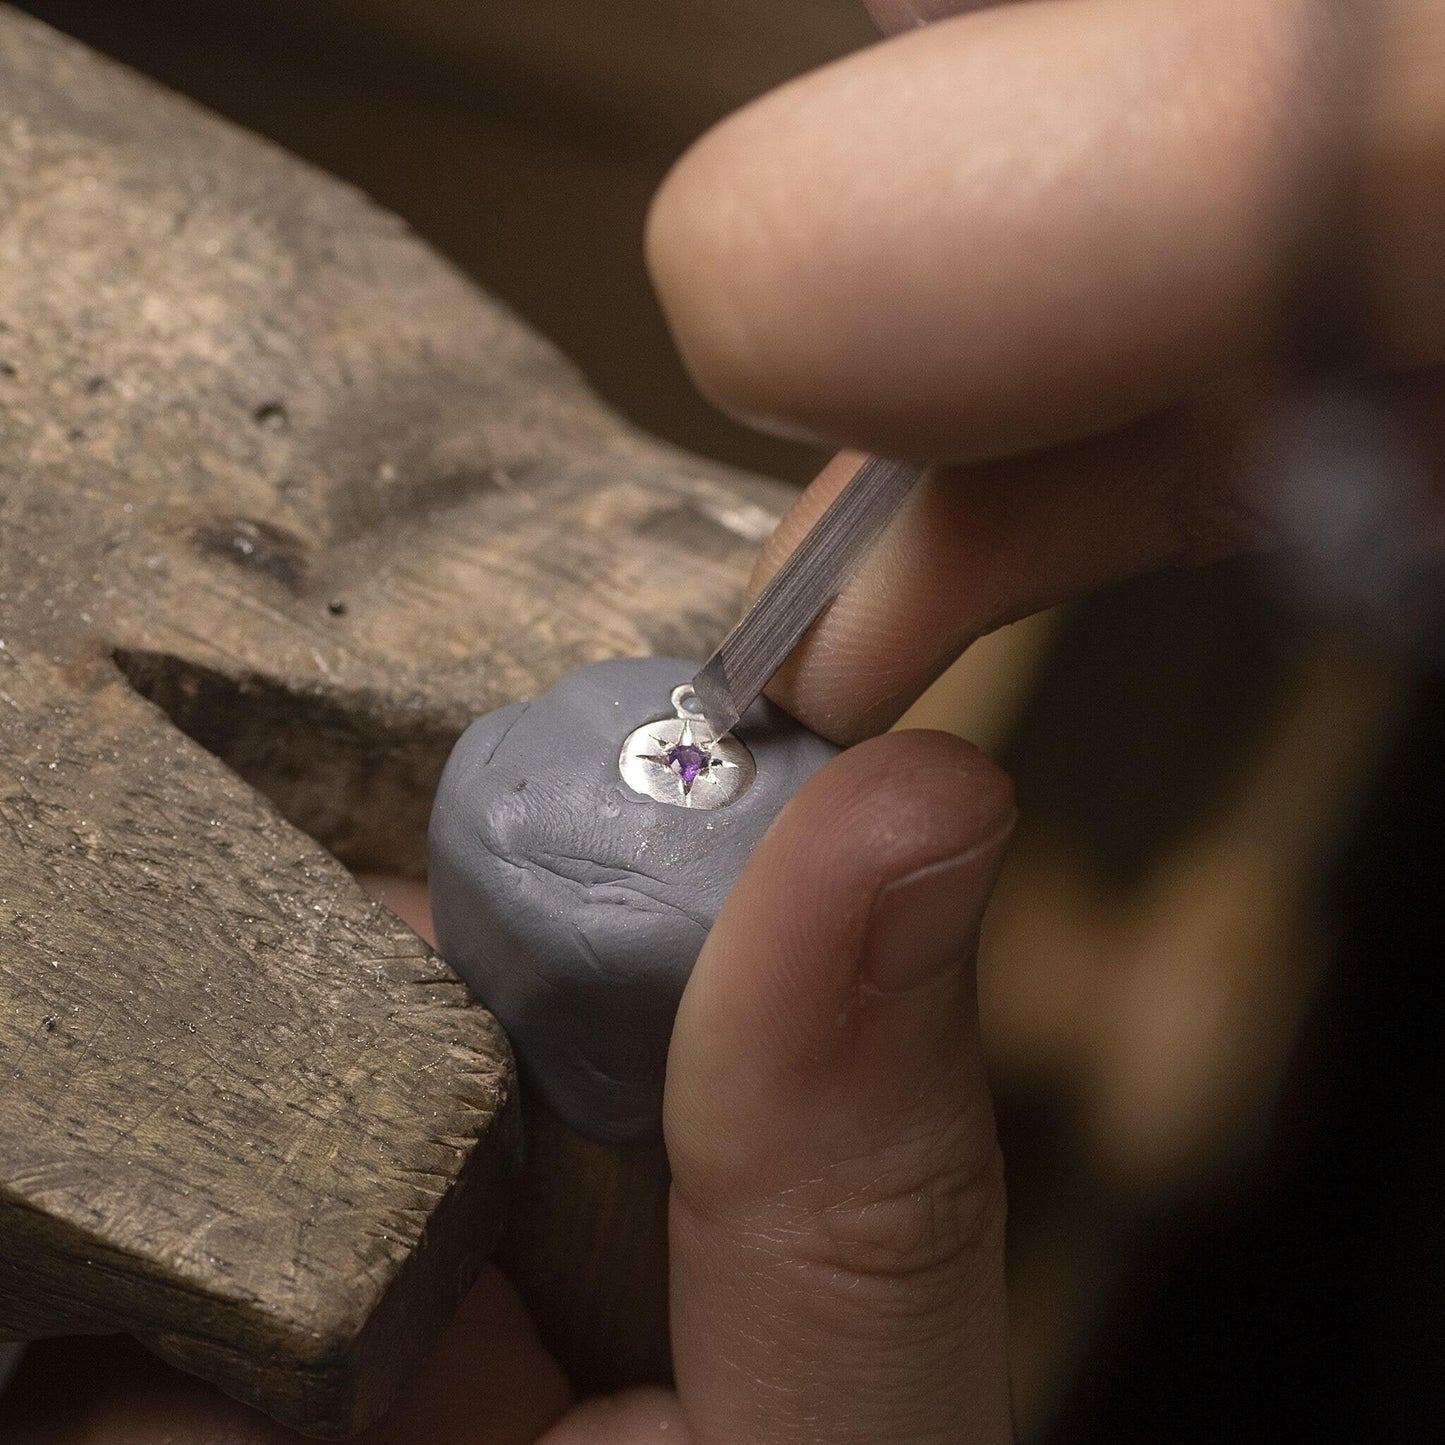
[574, 907]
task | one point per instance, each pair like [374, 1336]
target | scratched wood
[284, 503]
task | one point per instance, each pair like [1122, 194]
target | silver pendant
[679, 760]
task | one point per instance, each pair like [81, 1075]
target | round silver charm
[679, 760]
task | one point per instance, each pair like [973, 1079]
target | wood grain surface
[284, 503]
[523, 140]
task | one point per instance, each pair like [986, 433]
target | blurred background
[1212, 979]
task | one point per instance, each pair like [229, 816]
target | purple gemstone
[689, 761]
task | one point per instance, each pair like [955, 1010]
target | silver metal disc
[678, 760]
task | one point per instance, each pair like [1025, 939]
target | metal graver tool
[735, 675]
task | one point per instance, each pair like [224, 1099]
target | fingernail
[926, 923]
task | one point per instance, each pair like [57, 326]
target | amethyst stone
[689, 760]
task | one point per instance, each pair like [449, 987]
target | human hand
[837, 1212]
[1054, 246]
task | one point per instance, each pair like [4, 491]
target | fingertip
[884, 809]
[1011, 229]
[780, 250]
[898, 802]
[783, 960]
[713, 252]
[837, 1208]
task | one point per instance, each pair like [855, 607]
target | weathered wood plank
[571, 110]
[267, 463]
[236, 1094]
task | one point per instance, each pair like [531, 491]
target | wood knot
[258, 547]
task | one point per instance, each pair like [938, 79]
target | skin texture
[1054, 247]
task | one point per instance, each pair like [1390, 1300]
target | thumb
[838, 1211]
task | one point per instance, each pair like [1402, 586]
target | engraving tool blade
[802, 587]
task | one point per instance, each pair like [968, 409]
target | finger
[837, 1209]
[1032, 223]
[975, 548]
[635, 1417]
[489, 1382]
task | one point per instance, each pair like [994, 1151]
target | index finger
[1030, 224]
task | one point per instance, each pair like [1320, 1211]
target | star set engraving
[688, 760]
[678, 760]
